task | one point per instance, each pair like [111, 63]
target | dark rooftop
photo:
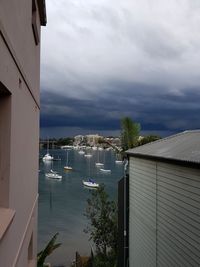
[183, 147]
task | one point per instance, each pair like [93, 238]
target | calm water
[62, 203]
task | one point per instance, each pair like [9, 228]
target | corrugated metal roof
[183, 147]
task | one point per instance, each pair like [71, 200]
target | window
[30, 249]
[31, 260]
[6, 214]
[34, 22]
[5, 127]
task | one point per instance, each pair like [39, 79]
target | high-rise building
[20, 23]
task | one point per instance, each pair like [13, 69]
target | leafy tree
[50, 247]
[65, 141]
[102, 214]
[129, 133]
[148, 139]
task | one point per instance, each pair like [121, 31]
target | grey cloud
[110, 59]
[156, 112]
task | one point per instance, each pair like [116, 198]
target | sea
[62, 203]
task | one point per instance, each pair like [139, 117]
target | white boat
[102, 169]
[81, 152]
[99, 164]
[53, 175]
[94, 148]
[47, 157]
[67, 167]
[100, 148]
[88, 155]
[105, 170]
[118, 161]
[90, 183]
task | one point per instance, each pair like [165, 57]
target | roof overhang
[42, 12]
[164, 159]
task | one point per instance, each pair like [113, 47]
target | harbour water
[62, 203]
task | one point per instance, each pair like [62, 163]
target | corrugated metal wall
[164, 227]
[142, 210]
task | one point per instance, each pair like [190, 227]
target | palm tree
[50, 247]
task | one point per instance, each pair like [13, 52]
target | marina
[62, 202]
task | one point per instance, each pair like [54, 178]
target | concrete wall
[164, 214]
[19, 74]
[16, 24]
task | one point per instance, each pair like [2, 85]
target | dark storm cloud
[102, 60]
[155, 110]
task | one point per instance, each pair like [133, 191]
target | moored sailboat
[90, 183]
[53, 175]
[47, 157]
[103, 169]
[67, 167]
[98, 163]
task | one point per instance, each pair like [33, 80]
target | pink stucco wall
[19, 73]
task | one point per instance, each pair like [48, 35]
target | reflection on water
[62, 203]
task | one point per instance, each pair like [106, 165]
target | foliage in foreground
[102, 215]
[50, 247]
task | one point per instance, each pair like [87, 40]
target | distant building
[163, 192]
[116, 141]
[78, 139]
[20, 23]
[93, 139]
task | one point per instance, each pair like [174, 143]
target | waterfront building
[20, 23]
[78, 140]
[161, 217]
[116, 141]
[90, 139]
[93, 139]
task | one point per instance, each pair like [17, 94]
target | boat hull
[47, 157]
[90, 184]
[106, 171]
[53, 176]
[67, 168]
[99, 164]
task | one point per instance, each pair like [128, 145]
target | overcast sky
[106, 59]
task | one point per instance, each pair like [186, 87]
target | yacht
[90, 183]
[53, 175]
[67, 167]
[105, 170]
[47, 157]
